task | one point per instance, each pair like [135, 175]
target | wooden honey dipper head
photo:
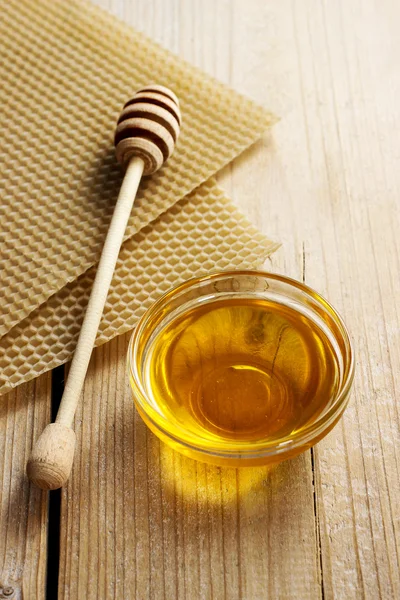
[145, 138]
[148, 127]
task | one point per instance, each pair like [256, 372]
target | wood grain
[23, 517]
[139, 521]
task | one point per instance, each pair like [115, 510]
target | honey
[241, 370]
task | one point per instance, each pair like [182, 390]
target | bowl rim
[241, 449]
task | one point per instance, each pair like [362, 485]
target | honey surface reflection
[241, 370]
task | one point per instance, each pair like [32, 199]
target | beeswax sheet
[201, 233]
[66, 69]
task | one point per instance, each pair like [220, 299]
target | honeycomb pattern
[66, 70]
[201, 233]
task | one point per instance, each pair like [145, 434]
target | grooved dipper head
[148, 127]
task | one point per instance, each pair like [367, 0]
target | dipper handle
[52, 456]
[145, 137]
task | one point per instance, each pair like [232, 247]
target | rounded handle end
[50, 462]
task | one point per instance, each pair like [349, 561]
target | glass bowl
[218, 289]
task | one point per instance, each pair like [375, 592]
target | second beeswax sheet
[203, 232]
[66, 69]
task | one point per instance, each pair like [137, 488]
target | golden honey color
[241, 370]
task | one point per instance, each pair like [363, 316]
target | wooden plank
[358, 474]
[139, 521]
[23, 520]
[330, 184]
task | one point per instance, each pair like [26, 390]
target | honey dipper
[145, 136]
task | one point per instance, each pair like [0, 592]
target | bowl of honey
[241, 368]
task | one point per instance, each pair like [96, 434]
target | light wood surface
[325, 183]
[139, 521]
[23, 516]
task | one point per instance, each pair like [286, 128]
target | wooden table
[137, 521]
